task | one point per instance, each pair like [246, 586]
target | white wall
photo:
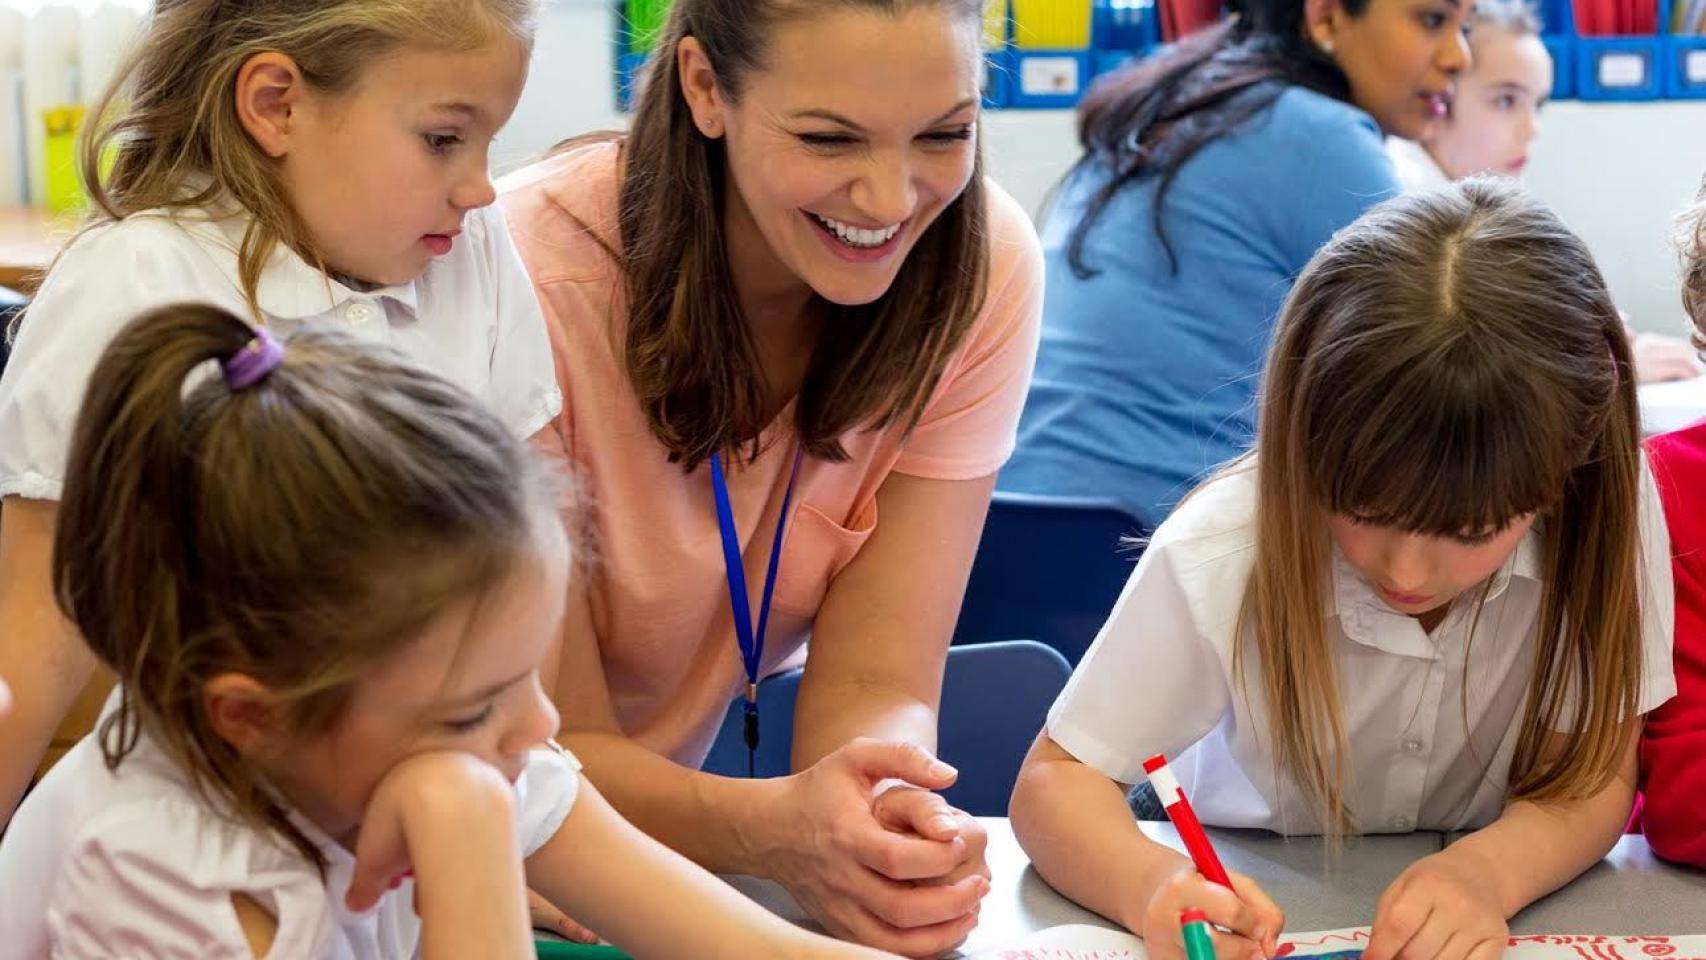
[571, 88]
[1616, 173]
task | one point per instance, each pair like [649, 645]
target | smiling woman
[789, 293]
[833, 200]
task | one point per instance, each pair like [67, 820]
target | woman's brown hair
[297, 531]
[689, 353]
[1446, 364]
[166, 132]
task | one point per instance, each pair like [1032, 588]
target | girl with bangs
[330, 740]
[1435, 596]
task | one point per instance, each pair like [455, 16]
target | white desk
[1672, 406]
[1629, 893]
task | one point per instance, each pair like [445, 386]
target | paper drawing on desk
[1084, 942]
[1348, 944]
[1078, 941]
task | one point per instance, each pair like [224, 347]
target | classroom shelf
[1028, 71]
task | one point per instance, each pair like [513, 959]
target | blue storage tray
[1685, 67]
[1619, 68]
[1043, 79]
[1563, 51]
[997, 79]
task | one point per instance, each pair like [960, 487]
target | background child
[1673, 743]
[318, 163]
[1435, 597]
[1494, 115]
[329, 649]
[1490, 127]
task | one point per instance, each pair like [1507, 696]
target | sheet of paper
[1085, 942]
[1076, 941]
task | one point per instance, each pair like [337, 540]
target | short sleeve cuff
[1114, 763]
[31, 485]
[546, 792]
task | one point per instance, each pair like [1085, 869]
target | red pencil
[1185, 820]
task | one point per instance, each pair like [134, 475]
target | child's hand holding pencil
[1249, 922]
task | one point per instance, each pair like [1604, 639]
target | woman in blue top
[1211, 173]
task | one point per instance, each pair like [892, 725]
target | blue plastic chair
[995, 697]
[1048, 569]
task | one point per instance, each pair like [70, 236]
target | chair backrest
[995, 697]
[1048, 569]
[773, 758]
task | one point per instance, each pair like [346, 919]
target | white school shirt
[135, 864]
[472, 317]
[1414, 166]
[1158, 679]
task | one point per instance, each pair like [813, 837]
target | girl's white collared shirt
[1415, 167]
[134, 863]
[472, 317]
[1432, 719]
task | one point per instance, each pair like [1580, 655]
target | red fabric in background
[1673, 746]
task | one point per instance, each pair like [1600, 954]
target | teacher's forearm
[723, 824]
[830, 715]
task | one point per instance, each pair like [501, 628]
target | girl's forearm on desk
[720, 823]
[1534, 848]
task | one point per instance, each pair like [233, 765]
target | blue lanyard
[751, 642]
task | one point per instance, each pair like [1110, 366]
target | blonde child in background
[1490, 128]
[330, 738]
[1436, 596]
[1494, 116]
[304, 163]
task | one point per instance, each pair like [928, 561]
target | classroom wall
[1617, 173]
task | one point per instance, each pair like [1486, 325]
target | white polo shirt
[1432, 719]
[134, 863]
[472, 317]
[1416, 168]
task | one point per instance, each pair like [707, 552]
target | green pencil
[563, 950]
[1199, 942]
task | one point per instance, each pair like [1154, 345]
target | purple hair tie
[251, 364]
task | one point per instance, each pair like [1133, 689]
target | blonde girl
[330, 737]
[1491, 127]
[303, 163]
[1494, 117]
[1435, 597]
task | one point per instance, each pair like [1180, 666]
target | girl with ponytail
[330, 737]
